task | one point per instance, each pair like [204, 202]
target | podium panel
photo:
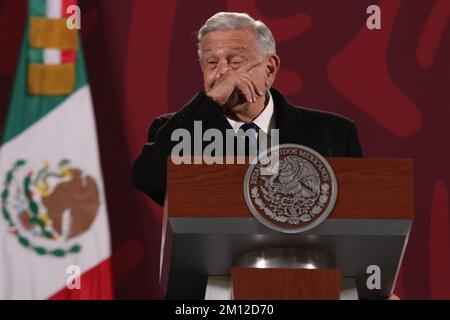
[285, 284]
[207, 224]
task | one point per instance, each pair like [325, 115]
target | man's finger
[252, 87]
[254, 65]
[249, 65]
[256, 88]
[251, 90]
[244, 87]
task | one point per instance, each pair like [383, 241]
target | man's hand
[226, 88]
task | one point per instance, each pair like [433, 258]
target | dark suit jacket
[296, 125]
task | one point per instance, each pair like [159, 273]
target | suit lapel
[289, 120]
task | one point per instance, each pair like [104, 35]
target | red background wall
[141, 61]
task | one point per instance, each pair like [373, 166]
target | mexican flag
[54, 234]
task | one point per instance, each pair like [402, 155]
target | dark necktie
[252, 132]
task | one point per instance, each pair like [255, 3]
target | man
[239, 63]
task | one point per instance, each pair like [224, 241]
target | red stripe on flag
[68, 56]
[65, 4]
[96, 284]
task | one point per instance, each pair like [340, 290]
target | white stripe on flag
[54, 9]
[52, 56]
[61, 134]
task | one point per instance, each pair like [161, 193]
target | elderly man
[239, 63]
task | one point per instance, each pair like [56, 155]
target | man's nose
[223, 67]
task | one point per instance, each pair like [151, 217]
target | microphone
[327, 137]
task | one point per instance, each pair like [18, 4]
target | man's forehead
[239, 40]
[224, 49]
[235, 34]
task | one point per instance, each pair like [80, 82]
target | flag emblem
[48, 208]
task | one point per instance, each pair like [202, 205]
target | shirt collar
[265, 121]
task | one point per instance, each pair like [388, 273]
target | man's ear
[273, 64]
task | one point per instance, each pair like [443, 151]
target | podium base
[220, 288]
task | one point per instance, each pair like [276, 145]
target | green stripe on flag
[37, 8]
[24, 109]
[35, 55]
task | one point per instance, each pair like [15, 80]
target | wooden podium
[207, 226]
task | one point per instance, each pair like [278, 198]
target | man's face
[228, 50]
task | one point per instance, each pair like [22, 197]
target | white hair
[225, 21]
